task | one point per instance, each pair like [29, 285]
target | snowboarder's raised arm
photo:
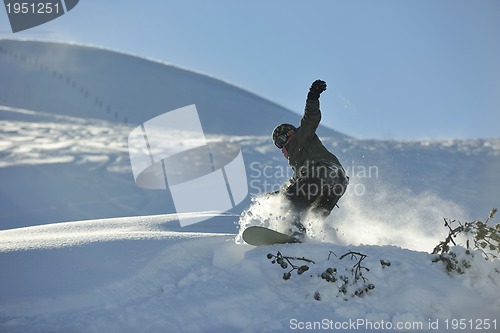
[312, 114]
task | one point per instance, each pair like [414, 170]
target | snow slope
[141, 275]
[82, 248]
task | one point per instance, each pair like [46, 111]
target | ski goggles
[281, 140]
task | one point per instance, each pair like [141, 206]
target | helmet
[282, 129]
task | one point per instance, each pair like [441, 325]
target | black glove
[317, 87]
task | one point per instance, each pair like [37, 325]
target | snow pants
[319, 190]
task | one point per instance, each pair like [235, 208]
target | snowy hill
[66, 112]
[97, 83]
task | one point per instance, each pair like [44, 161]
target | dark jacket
[304, 148]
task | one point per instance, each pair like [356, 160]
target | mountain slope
[93, 82]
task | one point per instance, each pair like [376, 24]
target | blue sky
[395, 69]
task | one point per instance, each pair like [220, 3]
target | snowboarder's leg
[297, 232]
[331, 194]
[324, 205]
[296, 228]
[302, 194]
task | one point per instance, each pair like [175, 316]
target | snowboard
[257, 236]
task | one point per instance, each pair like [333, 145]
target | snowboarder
[319, 180]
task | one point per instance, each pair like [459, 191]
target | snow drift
[141, 275]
